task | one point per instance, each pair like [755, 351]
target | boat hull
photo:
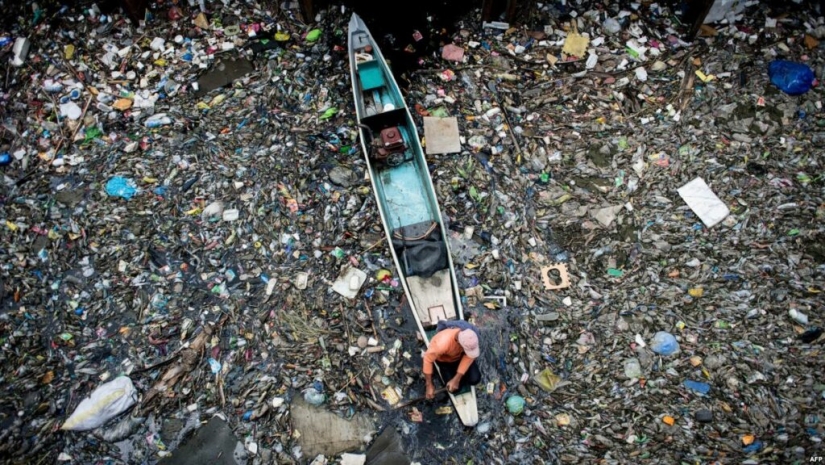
[405, 196]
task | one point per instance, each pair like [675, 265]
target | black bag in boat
[420, 248]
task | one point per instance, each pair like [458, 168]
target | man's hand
[430, 392]
[453, 384]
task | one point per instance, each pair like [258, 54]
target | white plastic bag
[106, 402]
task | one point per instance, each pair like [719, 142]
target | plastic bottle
[157, 121]
[798, 316]
[20, 51]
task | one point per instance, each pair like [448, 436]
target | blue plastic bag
[121, 187]
[697, 386]
[791, 78]
[664, 343]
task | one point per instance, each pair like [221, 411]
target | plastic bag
[664, 343]
[119, 186]
[515, 404]
[314, 396]
[547, 380]
[791, 78]
[106, 402]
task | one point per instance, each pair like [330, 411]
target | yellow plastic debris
[547, 380]
[575, 44]
[390, 395]
[445, 410]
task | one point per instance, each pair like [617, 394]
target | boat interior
[401, 181]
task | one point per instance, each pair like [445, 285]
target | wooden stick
[372, 321]
[374, 245]
[417, 399]
[82, 116]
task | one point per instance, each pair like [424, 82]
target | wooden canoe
[405, 196]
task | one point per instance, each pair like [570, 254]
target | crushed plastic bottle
[158, 120]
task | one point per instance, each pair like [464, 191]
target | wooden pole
[699, 8]
[511, 10]
[308, 11]
[487, 10]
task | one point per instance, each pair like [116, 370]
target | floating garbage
[104, 403]
[216, 270]
[664, 343]
[515, 404]
[697, 386]
[791, 78]
[119, 186]
[632, 368]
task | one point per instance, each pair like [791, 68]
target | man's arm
[463, 366]
[430, 356]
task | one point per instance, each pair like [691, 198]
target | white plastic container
[20, 51]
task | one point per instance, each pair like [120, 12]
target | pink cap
[469, 341]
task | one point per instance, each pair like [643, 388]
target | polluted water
[193, 268]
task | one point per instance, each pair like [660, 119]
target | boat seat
[370, 75]
[360, 40]
[387, 119]
[432, 298]
[362, 57]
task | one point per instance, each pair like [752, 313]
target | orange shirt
[445, 348]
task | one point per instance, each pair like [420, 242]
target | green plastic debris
[313, 35]
[474, 194]
[92, 133]
[515, 404]
[439, 112]
[615, 272]
[338, 253]
[329, 113]
[793, 232]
